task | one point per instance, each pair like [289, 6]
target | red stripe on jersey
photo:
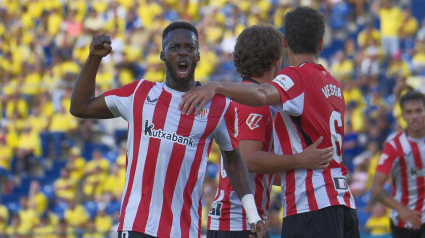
[258, 196]
[230, 124]
[329, 184]
[200, 217]
[158, 119]
[128, 90]
[244, 221]
[217, 106]
[309, 189]
[291, 207]
[347, 197]
[420, 180]
[404, 183]
[225, 213]
[173, 171]
[139, 96]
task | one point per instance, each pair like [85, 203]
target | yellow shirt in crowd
[62, 191]
[76, 217]
[103, 223]
[41, 203]
[6, 154]
[29, 218]
[391, 20]
[378, 226]
[4, 217]
[76, 168]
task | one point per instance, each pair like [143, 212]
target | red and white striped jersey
[167, 154]
[227, 212]
[312, 106]
[404, 157]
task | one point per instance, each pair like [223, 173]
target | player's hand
[259, 229]
[410, 217]
[314, 158]
[198, 95]
[100, 45]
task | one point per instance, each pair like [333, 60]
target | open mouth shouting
[182, 68]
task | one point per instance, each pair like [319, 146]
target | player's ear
[162, 56]
[199, 56]
[285, 43]
[321, 45]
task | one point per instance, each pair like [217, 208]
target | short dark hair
[304, 28]
[256, 48]
[412, 95]
[179, 25]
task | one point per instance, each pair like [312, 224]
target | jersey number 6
[336, 137]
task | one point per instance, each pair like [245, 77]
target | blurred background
[63, 177]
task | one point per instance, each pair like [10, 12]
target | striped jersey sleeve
[388, 157]
[225, 133]
[119, 100]
[290, 87]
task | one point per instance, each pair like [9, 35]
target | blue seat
[59, 210]
[113, 207]
[91, 208]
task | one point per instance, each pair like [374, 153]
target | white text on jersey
[331, 90]
[160, 134]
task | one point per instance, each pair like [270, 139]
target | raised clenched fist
[100, 45]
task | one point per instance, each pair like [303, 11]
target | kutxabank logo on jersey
[160, 134]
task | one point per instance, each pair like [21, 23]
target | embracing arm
[379, 193]
[262, 162]
[83, 102]
[248, 94]
[241, 183]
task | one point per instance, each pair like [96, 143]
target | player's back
[313, 106]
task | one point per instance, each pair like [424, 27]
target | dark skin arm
[259, 161]
[83, 102]
[247, 94]
[378, 192]
[241, 183]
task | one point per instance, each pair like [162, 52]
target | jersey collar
[247, 79]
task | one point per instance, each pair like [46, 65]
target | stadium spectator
[4, 218]
[98, 162]
[391, 19]
[61, 124]
[27, 214]
[44, 229]
[76, 216]
[114, 182]
[92, 230]
[379, 223]
[93, 184]
[365, 36]
[65, 186]
[76, 164]
[6, 155]
[342, 67]
[64, 230]
[28, 149]
[17, 228]
[37, 199]
[103, 222]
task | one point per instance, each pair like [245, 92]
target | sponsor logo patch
[284, 81]
[203, 114]
[340, 183]
[163, 135]
[151, 101]
[253, 119]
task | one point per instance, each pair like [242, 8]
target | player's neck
[267, 77]
[416, 134]
[171, 83]
[295, 60]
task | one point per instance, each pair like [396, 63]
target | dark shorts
[133, 234]
[334, 221]
[232, 234]
[401, 232]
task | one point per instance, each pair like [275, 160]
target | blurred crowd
[375, 48]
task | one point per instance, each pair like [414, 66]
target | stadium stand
[63, 177]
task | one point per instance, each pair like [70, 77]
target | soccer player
[255, 133]
[317, 203]
[167, 151]
[403, 157]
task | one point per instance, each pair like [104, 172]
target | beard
[173, 73]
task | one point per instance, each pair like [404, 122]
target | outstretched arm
[241, 183]
[83, 102]
[248, 94]
[258, 161]
[410, 217]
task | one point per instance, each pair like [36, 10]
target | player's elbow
[261, 98]
[76, 112]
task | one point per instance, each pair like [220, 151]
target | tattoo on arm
[381, 195]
